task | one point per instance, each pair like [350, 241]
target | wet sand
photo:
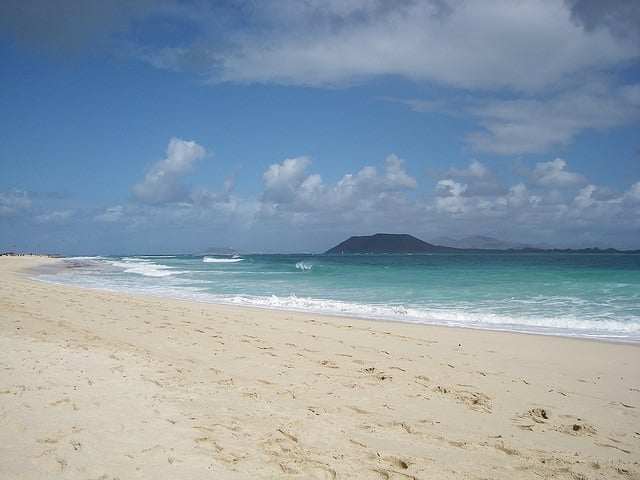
[99, 385]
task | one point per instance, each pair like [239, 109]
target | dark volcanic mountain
[404, 243]
[387, 243]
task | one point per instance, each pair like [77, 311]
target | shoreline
[588, 335]
[101, 383]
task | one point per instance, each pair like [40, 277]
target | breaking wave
[144, 267]
[222, 260]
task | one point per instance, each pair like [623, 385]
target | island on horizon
[403, 243]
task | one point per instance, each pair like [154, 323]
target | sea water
[583, 295]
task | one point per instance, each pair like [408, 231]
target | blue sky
[286, 126]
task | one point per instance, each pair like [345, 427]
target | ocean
[578, 295]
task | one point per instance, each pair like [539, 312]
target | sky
[173, 126]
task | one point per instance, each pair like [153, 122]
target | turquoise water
[592, 295]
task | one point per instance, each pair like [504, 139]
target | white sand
[98, 385]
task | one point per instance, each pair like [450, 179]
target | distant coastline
[404, 243]
[22, 254]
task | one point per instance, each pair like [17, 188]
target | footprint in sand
[531, 419]
[541, 419]
[474, 400]
[65, 402]
[380, 375]
[394, 468]
[577, 427]
[328, 364]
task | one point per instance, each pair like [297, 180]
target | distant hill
[387, 243]
[405, 243]
[481, 242]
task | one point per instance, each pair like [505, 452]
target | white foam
[144, 267]
[222, 260]
[445, 316]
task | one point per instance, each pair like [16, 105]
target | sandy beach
[99, 385]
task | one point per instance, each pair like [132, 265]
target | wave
[453, 317]
[222, 260]
[144, 267]
[302, 265]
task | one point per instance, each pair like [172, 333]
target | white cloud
[289, 186]
[542, 123]
[517, 196]
[395, 177]
[555, 175]
[547, 204]
[633, 194]
[550, 202]
[366, 186]
[523, 46]
[549, 57]
[164, 181]
[14, 201]
[203, 196]
[474, 170]
[466, 44]
[513, 127]
[282, 181]
[449, 188]
[584, 198]
[479, 180]
[449, 198]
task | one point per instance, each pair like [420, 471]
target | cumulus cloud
[202, 196]
[517, 196]
[449, 188]
[295, 197]
[368, 184]
[555, 175]
[289, 183]
[282, 182]
[480, 181]
[474, 170]
[542, 204]
[545, 202]
[163, 182]
[395, 177]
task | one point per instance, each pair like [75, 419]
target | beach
[103, 385]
